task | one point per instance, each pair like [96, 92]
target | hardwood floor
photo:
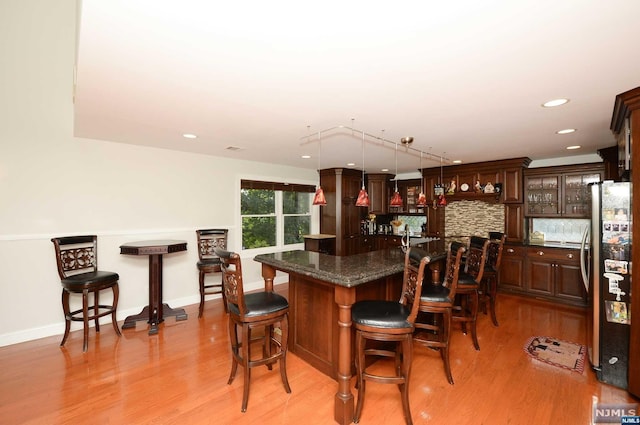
[180, 376]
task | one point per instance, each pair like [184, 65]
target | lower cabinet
[388, 241]
[512, 268]
[543, 272]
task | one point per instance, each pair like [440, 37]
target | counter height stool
[491, 276]
[209, 262]
[77, 260]
[466, 307]
[435, 309]
[262, 310]
[389, 321]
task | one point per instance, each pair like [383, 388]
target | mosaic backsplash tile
[473, 218]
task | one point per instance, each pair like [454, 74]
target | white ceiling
[465, 78]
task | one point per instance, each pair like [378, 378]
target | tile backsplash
[473, 218]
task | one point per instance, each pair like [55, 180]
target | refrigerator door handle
[584, 264]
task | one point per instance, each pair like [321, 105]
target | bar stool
[381, 322]
[490, 280]
[209, 262]
[435, 309]
[77, 260]
[256, 310]
[465, 309]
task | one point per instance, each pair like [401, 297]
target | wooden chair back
[76, 255]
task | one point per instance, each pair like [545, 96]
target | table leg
[155, 312]
[343, 402]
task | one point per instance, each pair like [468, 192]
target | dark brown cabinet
[512, 269]
[543, 272]
[560, 191]
[377, 187]
[555, 273]
[388, 241]
[507, 173]
[340, 216]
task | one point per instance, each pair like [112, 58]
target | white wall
[53, 184]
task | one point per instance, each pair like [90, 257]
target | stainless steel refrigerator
[607, 274]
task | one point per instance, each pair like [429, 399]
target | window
[274, 214]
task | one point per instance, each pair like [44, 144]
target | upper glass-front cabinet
[577, 195]
[542, 195]
[564, 193]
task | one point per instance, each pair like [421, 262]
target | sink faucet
[405, 238]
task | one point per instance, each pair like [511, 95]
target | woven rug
[564, 354]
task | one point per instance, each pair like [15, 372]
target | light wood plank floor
[180, 377]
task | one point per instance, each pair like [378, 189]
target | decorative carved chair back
[452, 269]
[76, 255]
[232, 279]
[494, 251]
[415, 263]
[209, 240]
[476, 257]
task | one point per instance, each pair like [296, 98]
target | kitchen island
[322, 289]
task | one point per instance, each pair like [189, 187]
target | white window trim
[280, 247]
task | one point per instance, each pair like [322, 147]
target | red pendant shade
[363, 198]
[422, 200]
[396, 200]
[319, 198]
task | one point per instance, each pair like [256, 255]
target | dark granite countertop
[351, 270]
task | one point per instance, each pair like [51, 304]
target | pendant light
[396, 199]
[442, 201]
[422, 198]
[363, 196]
[319, 198]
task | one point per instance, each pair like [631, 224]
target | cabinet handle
[510, 250]
[570, 256]
[541, 253]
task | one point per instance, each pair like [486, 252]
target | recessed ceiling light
[555, 102]
[457, 161]
[306, 156]
[351, 164]
[189, 136]
[566, 131]
[384, 170]
[573, 147]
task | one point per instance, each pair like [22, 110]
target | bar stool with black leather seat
[383, 322]
[255, 310]
[490, 279]
[77, 260]
[433, 325]
[209, 262]
[468, 295]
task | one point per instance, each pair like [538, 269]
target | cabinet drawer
[566, 255]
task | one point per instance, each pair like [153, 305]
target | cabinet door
[377, 188]
[577, 194]
[513, 222]
[539, 274]
[435, 221]
[512, 185]
[512, 269]
[543, 196]
[350, 213]
[568, 281]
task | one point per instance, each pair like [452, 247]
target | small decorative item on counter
[478, 186]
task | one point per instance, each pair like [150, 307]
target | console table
[155, 312]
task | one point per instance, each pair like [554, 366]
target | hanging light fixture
[422, 198]
[396, 199]
[319, 198]
[363, 196]
[442, 201]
